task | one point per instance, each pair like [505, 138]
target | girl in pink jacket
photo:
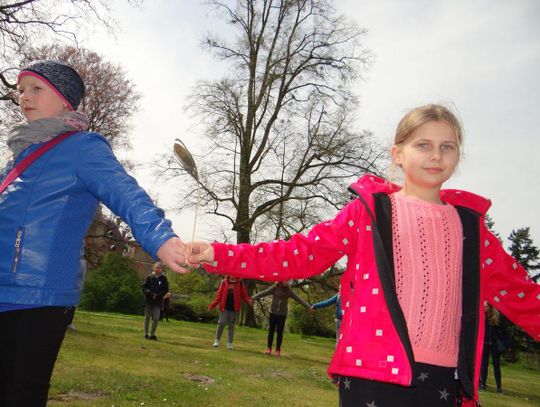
[420, 264]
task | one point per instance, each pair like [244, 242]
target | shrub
[114, 286]
[300, 321]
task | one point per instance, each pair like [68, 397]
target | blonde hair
[492, 315]
[417, 117]
[424, 114]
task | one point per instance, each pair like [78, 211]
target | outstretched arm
[299, 257]
[326, 303]
[264, 293]
[508, 288]
[300, 300]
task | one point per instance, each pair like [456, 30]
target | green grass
[107, 362]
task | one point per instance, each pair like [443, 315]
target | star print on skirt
[436, 386]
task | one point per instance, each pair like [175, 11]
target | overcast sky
[481, 57]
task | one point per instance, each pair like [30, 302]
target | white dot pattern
[359, 316]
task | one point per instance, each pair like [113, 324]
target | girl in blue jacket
[45, 212]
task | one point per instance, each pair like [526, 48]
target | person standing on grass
[155, 287]
[229, 296]
[281, 292]
[165, 307]
[49, 192]
[335, 299]
[420, 264]
[496, 342]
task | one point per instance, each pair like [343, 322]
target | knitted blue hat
[63, 79]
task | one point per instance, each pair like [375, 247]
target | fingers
[172, 253]
[198, 252]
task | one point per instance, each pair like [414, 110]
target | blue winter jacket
[45, 214]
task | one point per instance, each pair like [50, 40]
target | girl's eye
[422, 145]
[448, 147]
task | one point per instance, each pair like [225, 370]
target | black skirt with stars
[436, 386]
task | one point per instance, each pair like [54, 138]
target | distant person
[496, 342]
[155, 287]
[420, 263]
[335, 299]
[281, 292]
[229, 297]
[50, 189]
[165, 307]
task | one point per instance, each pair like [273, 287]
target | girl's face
[429, 156]
[37, 100]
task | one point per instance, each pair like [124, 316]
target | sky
[480, 57]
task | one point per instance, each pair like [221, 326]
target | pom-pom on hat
[63, 79]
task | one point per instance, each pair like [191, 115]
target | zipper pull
[19, 237]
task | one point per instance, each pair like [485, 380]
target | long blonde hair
[492, 315]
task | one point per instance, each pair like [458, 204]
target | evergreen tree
[524, 251]
[528, 255]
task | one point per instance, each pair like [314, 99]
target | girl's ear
[395, 153]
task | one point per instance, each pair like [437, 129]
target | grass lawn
[107, 362]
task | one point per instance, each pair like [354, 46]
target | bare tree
[279, 124]
[26, 23]
[280, 144]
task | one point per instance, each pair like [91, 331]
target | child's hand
[172, 253]
[199, 252]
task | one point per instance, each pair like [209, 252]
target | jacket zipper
[17, 249]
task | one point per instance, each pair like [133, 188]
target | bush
[301, 321]
[195, 310]
[114, 286]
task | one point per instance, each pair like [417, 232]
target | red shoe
[268, 351]
[278, 353]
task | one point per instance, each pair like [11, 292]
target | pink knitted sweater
[427, 243]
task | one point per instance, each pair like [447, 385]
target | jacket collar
[371, 184]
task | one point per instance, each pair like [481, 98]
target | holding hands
[198, 252]
[173, 254]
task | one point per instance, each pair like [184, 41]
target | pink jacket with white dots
[373, 341]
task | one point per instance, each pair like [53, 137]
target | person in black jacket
[154, 288]
[495, 342]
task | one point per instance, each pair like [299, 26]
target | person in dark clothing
[281, 292]
[165, 307]
[496, 341]
[155, 287]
